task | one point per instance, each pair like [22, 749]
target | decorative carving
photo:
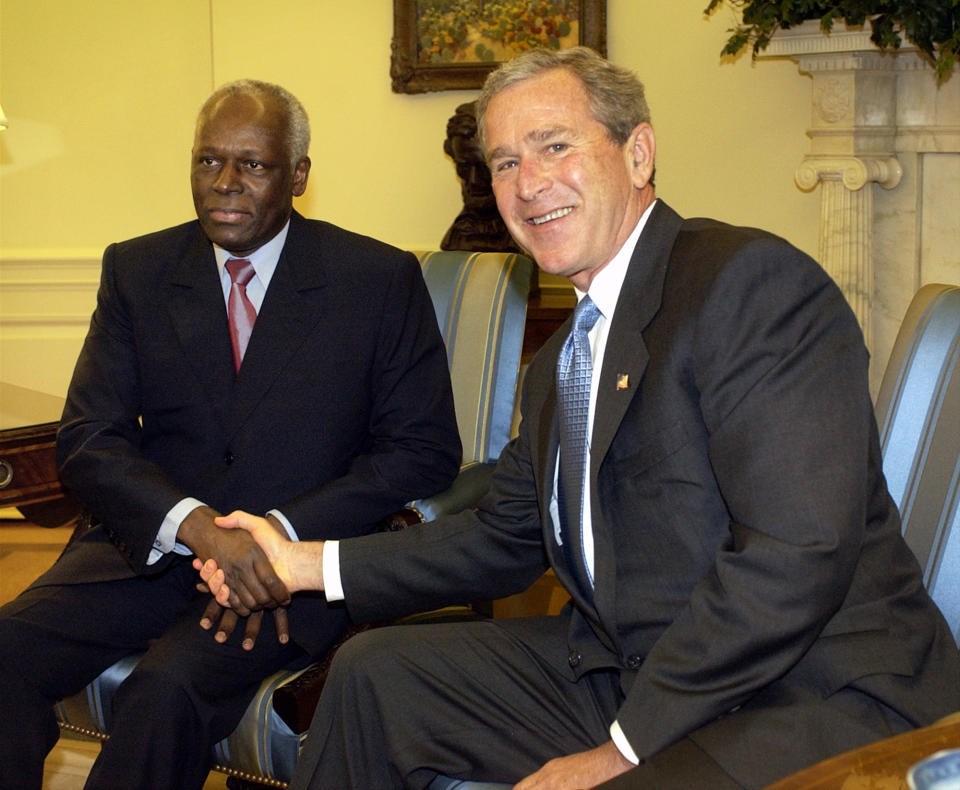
[853, 171]
[832, 100]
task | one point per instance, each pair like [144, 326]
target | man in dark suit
[742, 602]
[337, 412]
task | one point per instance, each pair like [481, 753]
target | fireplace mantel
[885, 158]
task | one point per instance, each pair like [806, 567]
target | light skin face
[568, 193]
[242, 178]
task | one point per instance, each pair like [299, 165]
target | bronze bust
[478, 226]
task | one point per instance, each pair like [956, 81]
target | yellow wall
[101, 97]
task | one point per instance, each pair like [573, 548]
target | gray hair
[298, 125]
[615, 94]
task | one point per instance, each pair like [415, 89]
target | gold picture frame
[441, 45]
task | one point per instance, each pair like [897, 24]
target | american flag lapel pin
[623, 381]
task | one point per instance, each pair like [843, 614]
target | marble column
[876, 119]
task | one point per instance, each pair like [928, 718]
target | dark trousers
[475, 701]
[186, 694]
[468, 700]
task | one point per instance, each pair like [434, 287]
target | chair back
[481, 303]
[918, 413]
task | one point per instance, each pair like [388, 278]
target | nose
[532, 179]
[227, 180]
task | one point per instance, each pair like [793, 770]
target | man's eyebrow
[540, 135]
[536, 136]
[497, 153]
[245, 153]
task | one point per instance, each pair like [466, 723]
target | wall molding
[45, 307]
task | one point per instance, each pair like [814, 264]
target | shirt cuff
[332, 583]
[166, 540]
[622, 744]
[291, 532]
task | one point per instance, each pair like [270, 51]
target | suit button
[574, 659]
[228, 458]
[634, 662]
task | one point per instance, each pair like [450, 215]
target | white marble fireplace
[884, 161]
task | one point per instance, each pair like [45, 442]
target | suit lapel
[625, 358]
[194, 300]
[291, 309]
[624, 364]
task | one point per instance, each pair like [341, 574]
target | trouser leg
[53, 641]
[187, 693]
[28, 727]
[470, 700]
[683, 766]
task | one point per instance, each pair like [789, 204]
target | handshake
[298, 565]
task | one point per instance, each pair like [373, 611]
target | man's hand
[578, 771]
[253, 584]
[299, 566]
[228, 621]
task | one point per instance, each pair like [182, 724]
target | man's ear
[642, 147]
[300, 173]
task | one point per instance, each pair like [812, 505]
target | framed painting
[443, 45]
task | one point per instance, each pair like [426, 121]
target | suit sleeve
[413, 446]
[98, 444]
[780, 367]
[492, 552]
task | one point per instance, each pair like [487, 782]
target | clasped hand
[254, 585]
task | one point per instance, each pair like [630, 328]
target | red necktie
[240, 310]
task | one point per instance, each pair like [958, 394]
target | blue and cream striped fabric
[481, 304]
[918, 412]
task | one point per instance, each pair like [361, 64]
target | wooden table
[28, 467]
[877, 766]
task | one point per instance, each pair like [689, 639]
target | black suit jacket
[341, 412]
[744, 536]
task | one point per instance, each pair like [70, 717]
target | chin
[553, 264]
[229, 242]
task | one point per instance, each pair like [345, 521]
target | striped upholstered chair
[918, 412]
[481, 303]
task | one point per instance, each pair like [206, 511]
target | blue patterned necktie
[574, 372]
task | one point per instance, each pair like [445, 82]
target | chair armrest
[471, 483]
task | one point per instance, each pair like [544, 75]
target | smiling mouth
[555, 214]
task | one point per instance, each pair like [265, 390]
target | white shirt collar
[264, 258]
[606, 285]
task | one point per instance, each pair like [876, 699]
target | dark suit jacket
[341, 412]
[744, 536]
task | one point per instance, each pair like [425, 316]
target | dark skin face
[242, 178]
